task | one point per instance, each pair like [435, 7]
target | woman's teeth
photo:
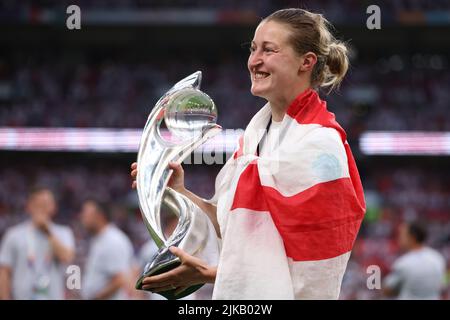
[260, 75]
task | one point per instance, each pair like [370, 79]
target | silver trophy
[190, 117]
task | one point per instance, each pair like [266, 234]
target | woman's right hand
[133, 174]
[176, 180]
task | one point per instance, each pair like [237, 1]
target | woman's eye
[268, 50]
[252, 49]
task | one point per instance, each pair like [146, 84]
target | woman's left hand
[192, 271]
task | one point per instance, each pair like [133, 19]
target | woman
[289, 203]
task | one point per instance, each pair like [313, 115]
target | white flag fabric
[288, 219]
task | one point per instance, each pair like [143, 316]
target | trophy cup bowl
[190, 117]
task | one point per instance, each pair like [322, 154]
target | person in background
[33, 254]
[420, 272]
[109, 261]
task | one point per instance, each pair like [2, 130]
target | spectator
[33, 253]
[110, 256]
[420, 272]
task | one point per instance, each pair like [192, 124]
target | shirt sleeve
[67, 238]
[147, 252]
[394, 280]
[7, 252]
[118, 258]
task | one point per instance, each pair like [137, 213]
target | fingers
[160, 280]
[133, 174]
[180, 290]
[166, 288]
[158, 287]
[169, 287]
[186, 259]
[178, 252]
[175, 166]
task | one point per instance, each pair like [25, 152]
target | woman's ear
[308, 61]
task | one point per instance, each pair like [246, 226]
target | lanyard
[264, 136]
[31, 253]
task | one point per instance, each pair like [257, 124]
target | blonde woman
[289, 203]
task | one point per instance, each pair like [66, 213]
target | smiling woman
[288, 214]
[291, 51]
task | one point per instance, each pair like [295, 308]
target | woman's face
[273, 64]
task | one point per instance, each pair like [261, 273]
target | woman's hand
[176, 181]
[192, 271]
[133, 174]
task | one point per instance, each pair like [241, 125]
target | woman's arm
[208, 208]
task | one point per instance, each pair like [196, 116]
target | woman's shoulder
[323, 137]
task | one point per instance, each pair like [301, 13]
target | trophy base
[169, 294]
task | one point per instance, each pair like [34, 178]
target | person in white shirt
[110, 257]
[34, 253]
[420, 272]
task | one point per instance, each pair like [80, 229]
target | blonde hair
[311, 33]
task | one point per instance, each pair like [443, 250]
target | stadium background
[393, 104]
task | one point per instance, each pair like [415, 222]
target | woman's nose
[254, 60]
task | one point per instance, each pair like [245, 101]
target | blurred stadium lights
[405, 143]
[127, 141]
[97, 140]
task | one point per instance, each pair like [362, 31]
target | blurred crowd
[392, 195]
[395, 195]
[76, 182]
[391, 93]
[113, 94]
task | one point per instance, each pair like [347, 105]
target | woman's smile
[259, 75]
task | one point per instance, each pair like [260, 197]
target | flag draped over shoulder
[288, 219]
